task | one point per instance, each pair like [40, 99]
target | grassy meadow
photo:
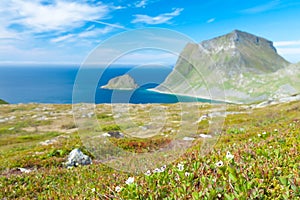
[257, 155]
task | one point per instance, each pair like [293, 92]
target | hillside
[125, 82]
[256, 157]
[238, 67]
[3, 102]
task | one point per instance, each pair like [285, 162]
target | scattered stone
[116, 134]
[205, 136]
[54, 140]
[76, 158]
[188, 139]
[7, 119]
[24, 170]
[48, 142]
[12, 118]
[203, 117]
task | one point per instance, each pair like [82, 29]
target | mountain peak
[239, 41]
[237, 34]
[237, 60]
[241, 37]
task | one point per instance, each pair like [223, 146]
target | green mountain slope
[238, 67]
[3, 102]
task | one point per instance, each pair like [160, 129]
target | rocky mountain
[237, 67]
[124, 82]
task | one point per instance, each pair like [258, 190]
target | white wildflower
[130, 180]
[229, 156]
[187, 174]
[93, 189]
[156, 170]
[148, 173]
[118, 189]
[275, 130]
[259, 135]
[180, 167]
[264, 133]
[219, 164]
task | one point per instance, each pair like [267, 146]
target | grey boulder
[76, 158]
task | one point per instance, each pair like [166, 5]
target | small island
[124, 82]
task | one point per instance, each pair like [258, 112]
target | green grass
[265, 144]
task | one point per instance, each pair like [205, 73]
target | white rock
[24, 170]
[205, 136]
[48, 142]
[76, 157]
[106, 135]
[188, 139]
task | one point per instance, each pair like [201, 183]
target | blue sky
[63, 31]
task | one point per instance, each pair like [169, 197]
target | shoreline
[198, 97]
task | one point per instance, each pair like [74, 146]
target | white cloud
[287, 43]
[211, 20]
[160, 19]
[262, 8]
[291, 54]
[141, 4]
[147, 58]
[95, 32]
[290, 50]
[59, 16]
[108, 24]
[35, 31]
[7, 34]
[62, 38]
[89, 33]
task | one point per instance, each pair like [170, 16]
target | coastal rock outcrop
[124, 82]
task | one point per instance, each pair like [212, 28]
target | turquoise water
[54, 84]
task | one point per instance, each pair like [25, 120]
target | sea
[55, 85]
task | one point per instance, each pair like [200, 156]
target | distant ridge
[242, 66]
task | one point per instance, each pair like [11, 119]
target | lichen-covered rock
[116, 134]
[76, 158]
